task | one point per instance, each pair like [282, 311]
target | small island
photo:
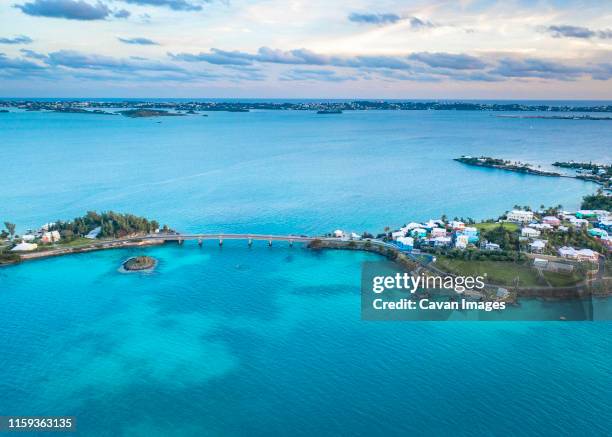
[518, 167]
[145, 113]
[139, 264]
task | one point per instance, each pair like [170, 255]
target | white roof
[24, 247]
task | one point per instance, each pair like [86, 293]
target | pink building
[551, 220]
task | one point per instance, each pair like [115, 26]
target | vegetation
[112, 225]
[139, 263]
[598, 200]
[519, 167]
[10, 227]
[497, 272]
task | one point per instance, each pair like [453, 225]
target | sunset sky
[306, 49]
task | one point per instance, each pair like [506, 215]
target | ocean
[233, 341]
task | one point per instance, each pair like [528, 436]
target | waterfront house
[28, 237]
[406, 243]
[605, 225]
[530, 232]
[502, 293]
[411, 226]
[24, 247]
[520, 216]
[339, 233]
[355, 236]
[551, 221]
[50, 237]
[537, 246]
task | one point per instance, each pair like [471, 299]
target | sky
[442, 49]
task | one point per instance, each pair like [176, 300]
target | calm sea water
[269, 340]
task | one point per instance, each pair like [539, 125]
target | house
[502, 293]
[438, 232]
[418, 232]
[28, 237]
[600, 233]
[540, 263]
[442, 241]
[551, 220]
[537, 246]
[562, 229]
[461, 241]
[492, 246]
[520, 216]
[578, 222]
[50, 237]
[530, 232]
[411, 226]
[339, 233]
[457, 225]
[405, 243]
[93, 234]
[398, 234]
[568, 252]
[605, 225]
[541, 226]
[586, 214]
[24, 247]
[355, 236]
[587, 255]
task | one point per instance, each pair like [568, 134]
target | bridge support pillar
[270, 243]
[220, 241]
[250, 242]
[180, 242]
[200, 241]
[290, 243]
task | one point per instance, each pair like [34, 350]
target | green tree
[10, 227]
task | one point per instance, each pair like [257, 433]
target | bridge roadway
[220, 237]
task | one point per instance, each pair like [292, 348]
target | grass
[484, 227]
[561, 279]
[497, 272]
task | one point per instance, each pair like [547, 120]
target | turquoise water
[265, 341]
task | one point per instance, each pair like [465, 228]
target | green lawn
[561, 279]
[81, 241]
[498, 272]
[484, 227]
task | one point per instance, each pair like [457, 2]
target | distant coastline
[322, 107]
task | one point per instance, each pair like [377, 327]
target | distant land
[322, 107]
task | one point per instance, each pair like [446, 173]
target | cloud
[14, 66]
[32, 54]
[538, 68]
[19, 39]
[138, 41]
[568, 31]
[77, 60]
[122, 13]
[386, 18]
[448, 60]
[69, 9]
[417, 23]
[316, 75]
[176, 5]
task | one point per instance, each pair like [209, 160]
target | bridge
[200, 238]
